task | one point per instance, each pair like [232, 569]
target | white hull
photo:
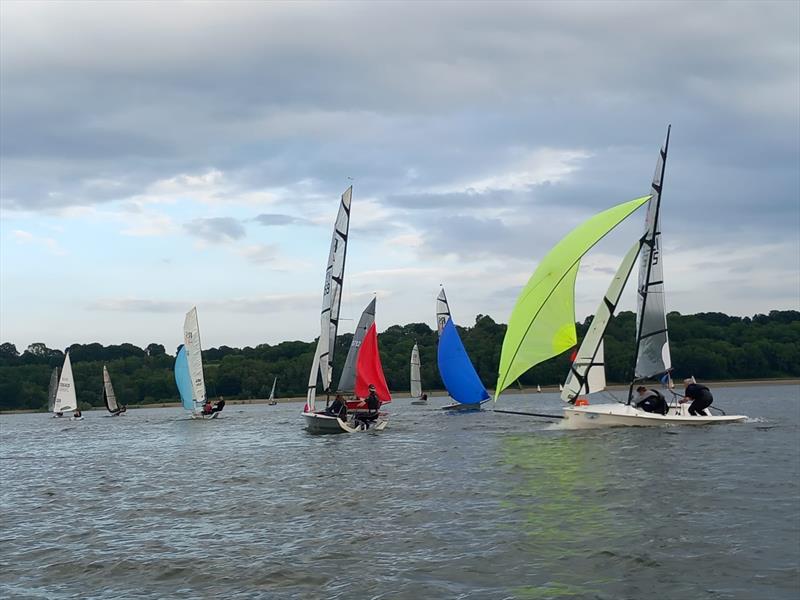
[623, 415]
[203, 417]
[322, 423]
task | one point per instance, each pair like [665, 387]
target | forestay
[331, 301]
[416, 378]
[194, 356]
[542, 324]
[652, 343]
[587, 374]
[109, 397]
[347, 381]
[65, 396]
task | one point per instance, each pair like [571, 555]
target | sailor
[424, 397]
[699, 395]
[651, 401]
[59, 414]
[373, 402]
[219, 405]
[77, 414]
[207, 408]
[338, 408]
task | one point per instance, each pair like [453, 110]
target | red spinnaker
[369, 369]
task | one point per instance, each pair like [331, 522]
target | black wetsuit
[218, 407]
[653, 402]
[337, 409]
[701, 399]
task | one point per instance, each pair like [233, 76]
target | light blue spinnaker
[458, 374]
[183, 379]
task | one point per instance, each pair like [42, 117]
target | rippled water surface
[153, 505]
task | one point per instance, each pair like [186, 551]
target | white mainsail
[65, 397]
[331, 301]
[416, 378]
[272, 392]
[194, 356]
[442, 311]
[347, 382]
[652, 342]
[52, 390]
[108, 392]
[587, 374]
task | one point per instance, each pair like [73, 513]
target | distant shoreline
[434, 393]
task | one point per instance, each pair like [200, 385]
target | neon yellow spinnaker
[542, 324]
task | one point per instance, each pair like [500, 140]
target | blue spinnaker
[183, 379]
[458, 374]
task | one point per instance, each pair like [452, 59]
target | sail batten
[542, 324]
[652, 339]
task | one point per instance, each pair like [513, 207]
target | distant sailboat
[538, 388]
[272, 401]
[109, 397]
[189, 371]
[416, 378]
[458, 375]
[66, 400]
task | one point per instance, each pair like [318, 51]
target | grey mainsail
[347, 381]
[416, 378]
[109, 397]
[652, 341]
[52, 390]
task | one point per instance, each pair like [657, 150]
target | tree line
[707, 345]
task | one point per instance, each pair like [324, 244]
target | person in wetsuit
[700, 397]
[338, 408]
[651, 401]
[219, 405]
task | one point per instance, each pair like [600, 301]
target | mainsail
[52, 390]
[272, 391]
[416, 378]
[369, 370]
[442, 311]
[194, 357]
[183, 379]
[65, 397]
[347, 381]
[542, 324]
[587, 374]
[331, 301]
[652, 342]
[109, 397]
[459, 376]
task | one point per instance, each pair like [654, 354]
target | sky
[160, 156]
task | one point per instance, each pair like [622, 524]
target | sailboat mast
[651, 242]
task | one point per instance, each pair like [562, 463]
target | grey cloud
[272, 219]
[216, 229]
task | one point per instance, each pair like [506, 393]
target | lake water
[484, 506]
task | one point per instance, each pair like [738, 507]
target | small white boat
[109, 397]
[616, 414]
[272, 401]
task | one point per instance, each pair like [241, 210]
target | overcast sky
[157, 156]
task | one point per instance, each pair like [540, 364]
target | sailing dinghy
[109, 397]
[272, 401]
[653, 360]
[416, 378]
[66, 400]
[321, 421]
[189, 371]
[455, 368]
